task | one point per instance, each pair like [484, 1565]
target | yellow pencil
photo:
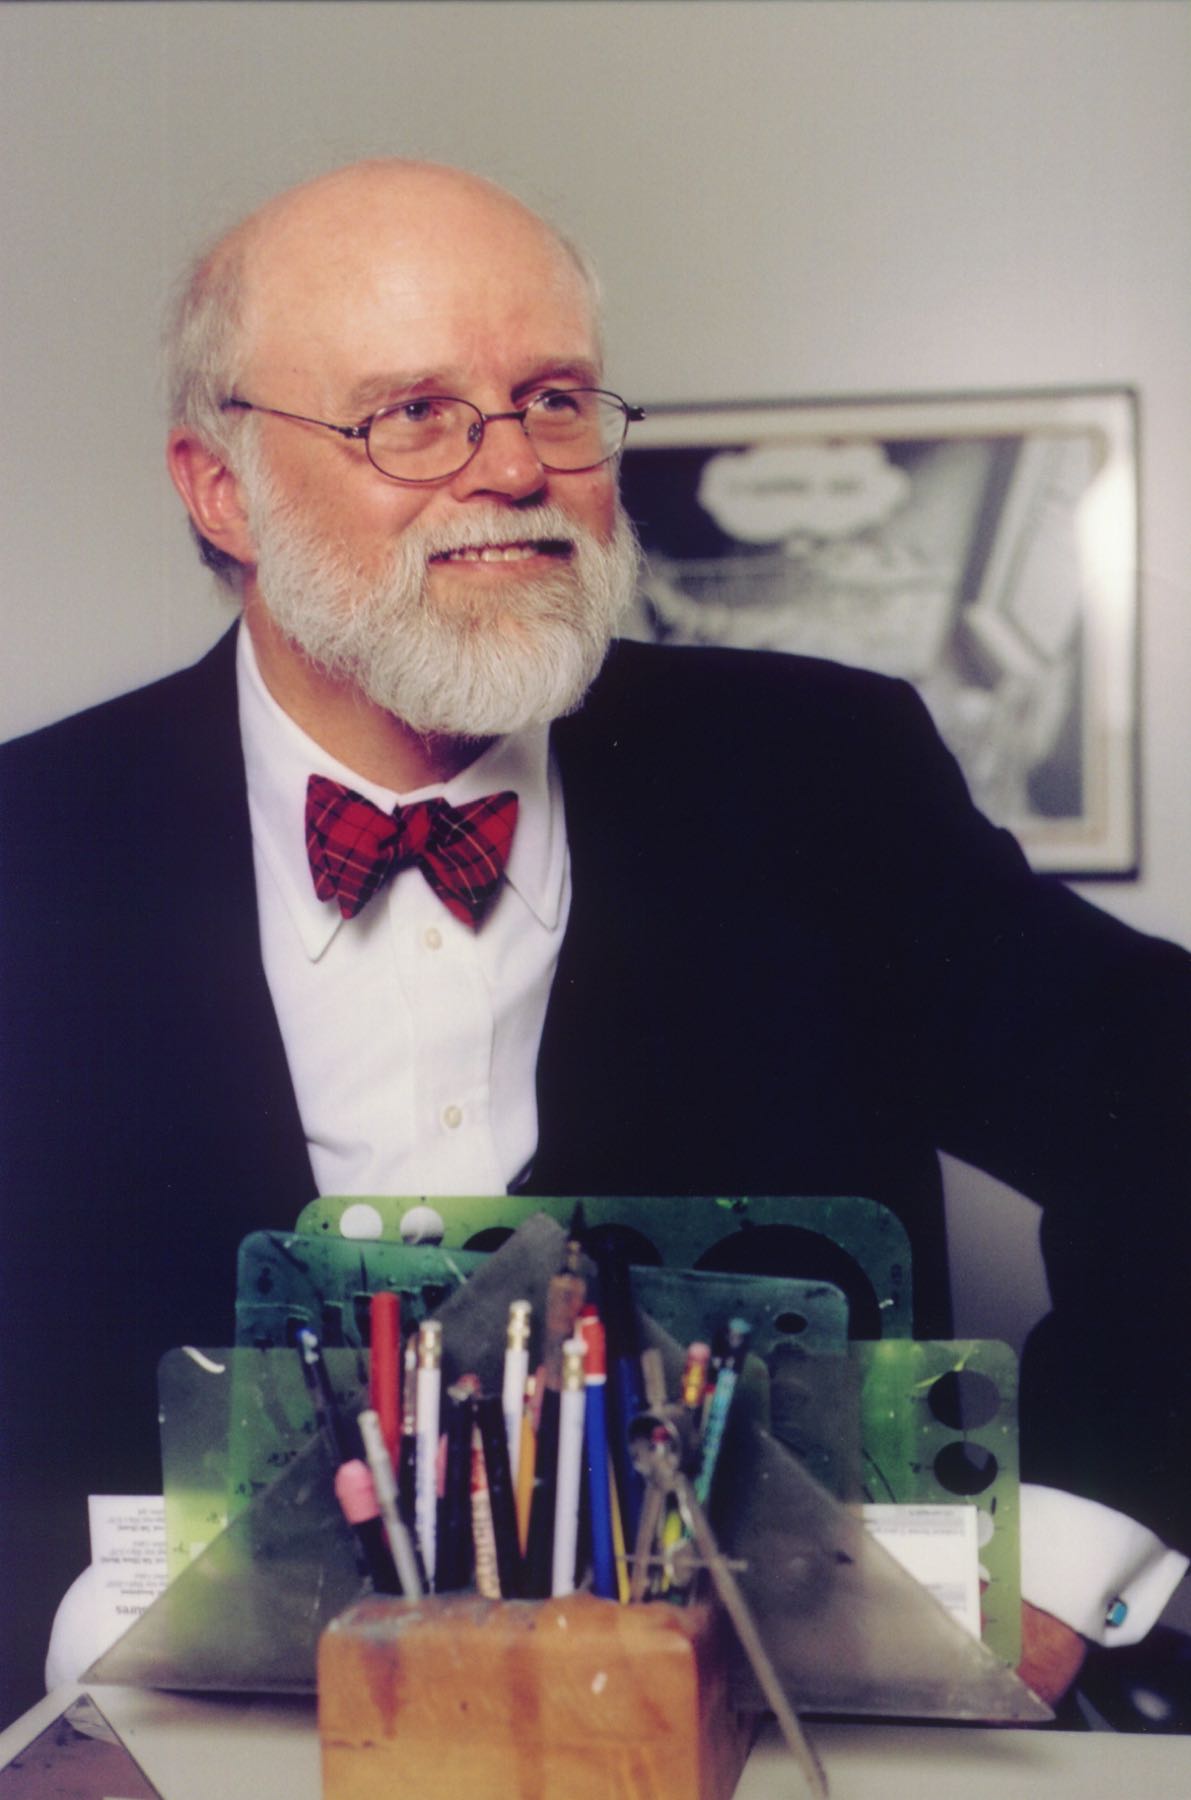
[526, 1458]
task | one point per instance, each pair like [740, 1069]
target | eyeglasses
[435, 436]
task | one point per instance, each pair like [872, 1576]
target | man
[750, 937]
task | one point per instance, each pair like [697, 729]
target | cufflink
[1117, 1612]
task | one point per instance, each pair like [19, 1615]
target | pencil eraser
[355, 1492]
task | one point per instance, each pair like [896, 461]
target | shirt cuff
[1095, 1569]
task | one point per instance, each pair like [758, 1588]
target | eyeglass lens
[423, 439]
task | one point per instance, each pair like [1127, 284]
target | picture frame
[983, 547]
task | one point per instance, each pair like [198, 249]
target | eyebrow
[377, 391]
[580, 372]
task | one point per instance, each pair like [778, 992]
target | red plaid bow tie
[353, 846]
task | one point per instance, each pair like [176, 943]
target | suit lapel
[239, 1067]
[591, 1016]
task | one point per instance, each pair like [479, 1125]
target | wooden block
[458, 1698]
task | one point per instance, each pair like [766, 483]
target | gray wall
[785, 198]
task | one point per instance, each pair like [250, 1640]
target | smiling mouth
[522, 551]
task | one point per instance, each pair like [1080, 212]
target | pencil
[384, 1375]
[428, 1402]
[569, 1481]
[526, 1461]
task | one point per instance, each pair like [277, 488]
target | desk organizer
[521, 1700]
[846, 1629]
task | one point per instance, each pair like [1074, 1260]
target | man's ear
[210, 493]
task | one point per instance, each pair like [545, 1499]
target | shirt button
[452, 1117]
[432, 938]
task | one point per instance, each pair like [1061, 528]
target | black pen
[491, 1427]
[539, 1551]
[625, 1398]
[454, 1559]
[333, 1425]
[356, 1494]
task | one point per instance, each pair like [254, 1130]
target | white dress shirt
[412, 1040]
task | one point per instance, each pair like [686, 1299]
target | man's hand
[1051, 1654]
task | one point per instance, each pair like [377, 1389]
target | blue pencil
[738, 1335]
[595, 1427]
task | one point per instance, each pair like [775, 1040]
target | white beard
[461, 667]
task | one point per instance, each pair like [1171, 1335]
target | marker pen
[429, 1396]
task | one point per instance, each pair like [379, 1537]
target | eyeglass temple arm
[347, 431]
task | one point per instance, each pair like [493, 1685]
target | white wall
[785, 196]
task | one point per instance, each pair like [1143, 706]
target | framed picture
[982, 546]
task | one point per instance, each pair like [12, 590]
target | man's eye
[562, 402]
[417, 412]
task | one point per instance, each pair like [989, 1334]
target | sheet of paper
[938, 1546]
[128, 1556]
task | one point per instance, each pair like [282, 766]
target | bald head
[320, 232]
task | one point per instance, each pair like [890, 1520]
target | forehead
[462, 286]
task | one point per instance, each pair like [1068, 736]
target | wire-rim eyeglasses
[571, 430]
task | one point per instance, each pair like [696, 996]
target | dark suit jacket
[797, 962]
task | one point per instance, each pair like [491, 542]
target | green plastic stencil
[846, 1628]
[286, 1281]
[939, 1426]
[857, 1244]
[231, 1422]
[248, 1611]
[893, 1446]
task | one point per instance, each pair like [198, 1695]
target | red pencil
[384, 1384]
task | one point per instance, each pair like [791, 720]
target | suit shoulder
[144, 737]
[748, 690]
[113, 717]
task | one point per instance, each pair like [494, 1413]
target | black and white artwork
[983, 548]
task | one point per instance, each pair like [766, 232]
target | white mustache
[496, 526]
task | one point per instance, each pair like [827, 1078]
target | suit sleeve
[1054, 1045]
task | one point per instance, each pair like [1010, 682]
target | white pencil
[429, 1400]
[572, 1404]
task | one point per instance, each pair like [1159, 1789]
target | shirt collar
[279, 757]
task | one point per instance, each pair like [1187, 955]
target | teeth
[490, 553]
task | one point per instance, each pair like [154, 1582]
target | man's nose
[506, 462]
